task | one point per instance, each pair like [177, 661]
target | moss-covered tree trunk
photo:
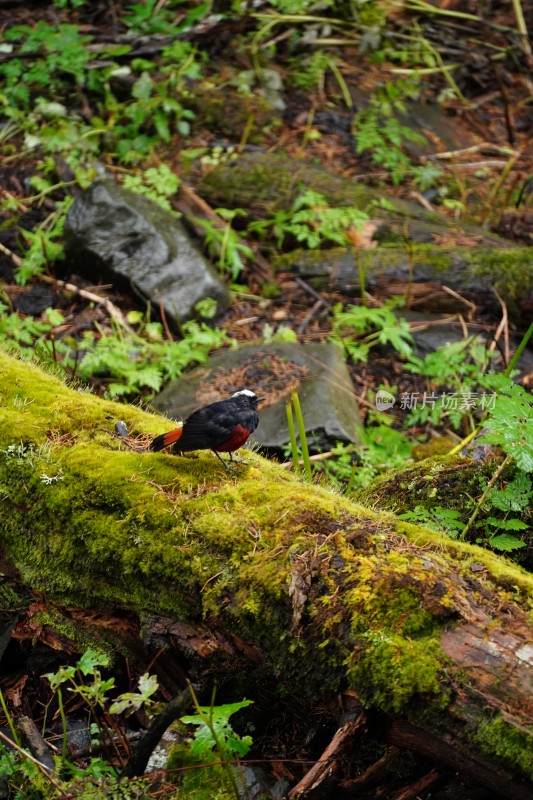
[258, 574]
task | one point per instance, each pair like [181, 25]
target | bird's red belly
[238, 438]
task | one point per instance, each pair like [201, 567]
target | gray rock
[123, 237]
[316, 371]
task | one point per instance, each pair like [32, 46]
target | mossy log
[260, 576]
[264, 183]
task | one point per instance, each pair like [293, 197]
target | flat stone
[124, 238]
[316, 371]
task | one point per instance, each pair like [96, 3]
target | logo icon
[384, 400]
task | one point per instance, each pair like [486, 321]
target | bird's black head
[248, 397]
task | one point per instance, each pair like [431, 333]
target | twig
[309, 316]
[36, 742]
[483, 497]
[453, 293]
[309, 289]
[423, 201]
[317, 457]
[41, 767]
[485, 148]
[503, 327]
[375, 772]
[110, 307]
[146, 745]
[328, 761]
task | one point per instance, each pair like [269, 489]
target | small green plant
[501, 517]
[508, 426]
[224, 244]
[153, 113]
[294, 410]
[445, 520]
[354, 466]
[213, 741]
[45, 245]
[150, 17]
[132, 365]
[158, 183]
[358, 328]
[458, 384]
[312, 221]
[58, 63]
[129, 364]
[378, 130]
[214, 744]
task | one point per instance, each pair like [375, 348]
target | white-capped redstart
[222, 427]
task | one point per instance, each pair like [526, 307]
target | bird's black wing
[205, 429]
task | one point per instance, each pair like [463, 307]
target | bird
[222, 427]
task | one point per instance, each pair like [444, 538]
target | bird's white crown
[245, 392]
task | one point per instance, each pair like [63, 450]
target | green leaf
[90, 660]
[506, 542]
[131, 701]
[142, 88]
[508, 524]
[231, 743]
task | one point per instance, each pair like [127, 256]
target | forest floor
[307, 83]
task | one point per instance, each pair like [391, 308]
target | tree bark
[258, 577]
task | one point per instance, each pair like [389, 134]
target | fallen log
[260, 574]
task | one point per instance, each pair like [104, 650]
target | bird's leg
[226, 465]
[237, 460]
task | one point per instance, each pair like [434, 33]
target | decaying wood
[164, 552]
[416, 789]
[451, 752]
[328, 763]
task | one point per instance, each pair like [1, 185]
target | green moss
[511, 746]
[309, 578]
[232, 113]
[392, 671]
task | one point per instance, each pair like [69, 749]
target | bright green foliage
[135, 364]
[313, 222]
[510, 425]
[214, 731]
[158, 183]
[308, 73]
[44, 248]
[224, 243]
[22, 332]
[149, 17]
[437, 518]
[507, 418]
[516, 494]
[214, 739]
[214, 746]
[298, 6]
[67, 3]
[355, 466]
[60, 53]
[131, 701]
[377, 129]
[130, 365]
[426, 175]
[94, 694]
[358, 328]
[459, 368]
[153, 114]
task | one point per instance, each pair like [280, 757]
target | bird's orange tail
[171, 437]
